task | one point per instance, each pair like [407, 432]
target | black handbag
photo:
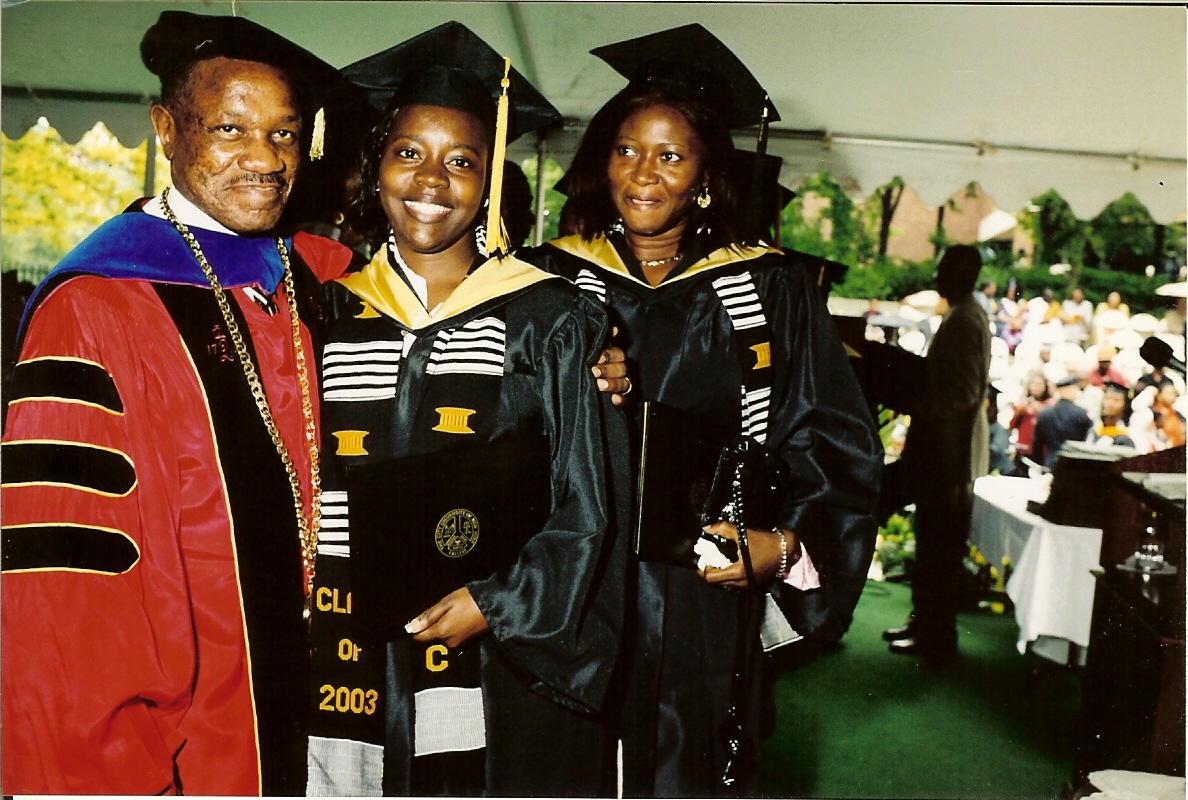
[686, 465]
[747, 477]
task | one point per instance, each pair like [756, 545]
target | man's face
[233, 142]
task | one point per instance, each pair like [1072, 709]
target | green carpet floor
[860, 722]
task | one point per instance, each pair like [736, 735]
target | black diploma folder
[677, 459]
[686, 467]
[426, 525]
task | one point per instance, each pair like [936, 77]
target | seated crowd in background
[1076, 366]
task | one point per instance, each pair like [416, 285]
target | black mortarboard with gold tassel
[451, 67]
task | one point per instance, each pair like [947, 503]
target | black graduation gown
[688, 342]
[513, 346]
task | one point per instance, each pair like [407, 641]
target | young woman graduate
[444, 342]
[734, 332]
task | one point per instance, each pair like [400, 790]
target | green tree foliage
[886, 280]
[1058, 235]
[55, 193]
[1124, 235]
[554, 200]
[838, 233]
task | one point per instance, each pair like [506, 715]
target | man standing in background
[946, 449]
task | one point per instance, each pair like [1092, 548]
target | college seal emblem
[457, 532]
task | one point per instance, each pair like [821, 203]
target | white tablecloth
[1051, 585]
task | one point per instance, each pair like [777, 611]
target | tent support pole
[542, 147]
[150, 165]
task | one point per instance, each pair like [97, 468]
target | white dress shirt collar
[186, 212]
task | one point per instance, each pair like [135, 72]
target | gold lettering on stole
[350, 443]
[762, 355]
[368, 311]
[453, 420]
[432, 662]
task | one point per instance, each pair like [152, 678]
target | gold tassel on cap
[496, 235]
[317, 145]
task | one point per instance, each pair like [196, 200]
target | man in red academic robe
[160, 503]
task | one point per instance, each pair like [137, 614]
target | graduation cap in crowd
[689, 61]
[180, 38]
[1113, 386]
[450, 67]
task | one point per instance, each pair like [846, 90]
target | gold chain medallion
[308, 531]
[457, 533]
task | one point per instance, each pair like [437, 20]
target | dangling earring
[480, 230]
[703, 198]
[617, 226]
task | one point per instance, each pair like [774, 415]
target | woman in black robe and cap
[733, 335]
[443, 343]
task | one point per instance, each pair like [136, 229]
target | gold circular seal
[457, 532]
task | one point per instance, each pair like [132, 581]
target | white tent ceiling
[1088, 100]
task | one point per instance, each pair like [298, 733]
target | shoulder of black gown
[569, 255]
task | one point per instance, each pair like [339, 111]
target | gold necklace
[659, 261]
[308, 531]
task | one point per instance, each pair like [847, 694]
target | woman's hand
[454, 620]
[765, 558]
[611, 373]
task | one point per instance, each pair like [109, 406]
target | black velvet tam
[180, 38]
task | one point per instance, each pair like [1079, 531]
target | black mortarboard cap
[689, 61]
[451, 67]
[757, 182]
[1113, 386]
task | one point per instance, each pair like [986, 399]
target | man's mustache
[260, 180]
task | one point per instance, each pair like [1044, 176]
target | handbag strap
[739, 512]
[738, 746]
